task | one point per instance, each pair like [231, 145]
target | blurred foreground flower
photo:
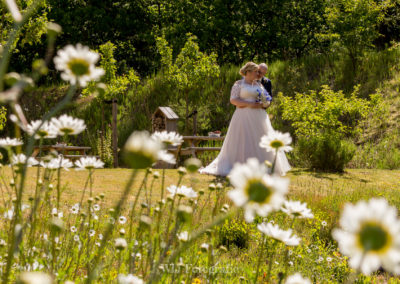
[182, 191]
[129, 279]
[20, 159]
[297, 279]
[68, 125]
[370, 236]
[168, 138]
[56, 163]
[47, 130]
[297, 209]
[255, 190]
[88, 163]
[278, 234]
[10, 142]
[141, 151]
[77, 64]
[276, 141]
[34, 278]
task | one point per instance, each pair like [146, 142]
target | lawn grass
[326, 191]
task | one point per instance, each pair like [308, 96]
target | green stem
[259, 258]
[96, 266]
[218, 220]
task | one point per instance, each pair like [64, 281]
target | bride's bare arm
[241, 103]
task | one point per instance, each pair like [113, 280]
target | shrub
[234, 232]
[326, 152]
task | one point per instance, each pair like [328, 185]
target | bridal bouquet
[264, 97]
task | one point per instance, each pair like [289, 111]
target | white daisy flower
[276, 141]
[68, 125]
[165, 156]
[168, 138]
[141, 151]
[47, 130]
[75, 209]
[255, 190]
[10, 142]
[56, 163]
[297, 209]
[73, 229]
[370, 236]
[183, 236]
[129, 279]
[76, 238]
[96, 207]
[122, 219]
[297, 279]
[77, 64]
[92, 233]
[88, 163]
[278, 234]
[100, 236]
[182, 191]
[324, 223]
[20, 159]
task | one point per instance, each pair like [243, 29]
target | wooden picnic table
[193, 145]
[66, 151]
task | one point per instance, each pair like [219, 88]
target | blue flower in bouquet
[263, 96]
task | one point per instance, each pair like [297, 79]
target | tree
[190, 71]
[353, 23]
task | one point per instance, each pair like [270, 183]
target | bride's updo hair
[248, 67]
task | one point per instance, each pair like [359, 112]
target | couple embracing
[251, 95]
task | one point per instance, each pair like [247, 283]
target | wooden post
[195, 124]
[102, 133]
[114, 132]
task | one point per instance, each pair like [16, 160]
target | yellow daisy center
[79, 66]
[276, 144]
[374, 237]
[258, 191]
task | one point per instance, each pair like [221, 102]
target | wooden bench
[67, 151]
[193, 148]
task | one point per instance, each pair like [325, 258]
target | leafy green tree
[314, 113]
[353, 23]
[190, 71]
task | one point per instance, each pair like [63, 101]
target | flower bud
[120, 243]
[182, 171]
[192, 165]
[53, 29]
[211, 186]
[145, 221]
[184, 213]
[57, 224]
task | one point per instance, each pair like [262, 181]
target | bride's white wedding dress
[245, 130]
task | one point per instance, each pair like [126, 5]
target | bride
[249, 123]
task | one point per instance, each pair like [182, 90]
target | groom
[262, 70]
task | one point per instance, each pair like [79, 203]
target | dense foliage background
[186, 54]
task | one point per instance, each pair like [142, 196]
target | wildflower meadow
[67, 220]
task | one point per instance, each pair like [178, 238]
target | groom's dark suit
[267, 85]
